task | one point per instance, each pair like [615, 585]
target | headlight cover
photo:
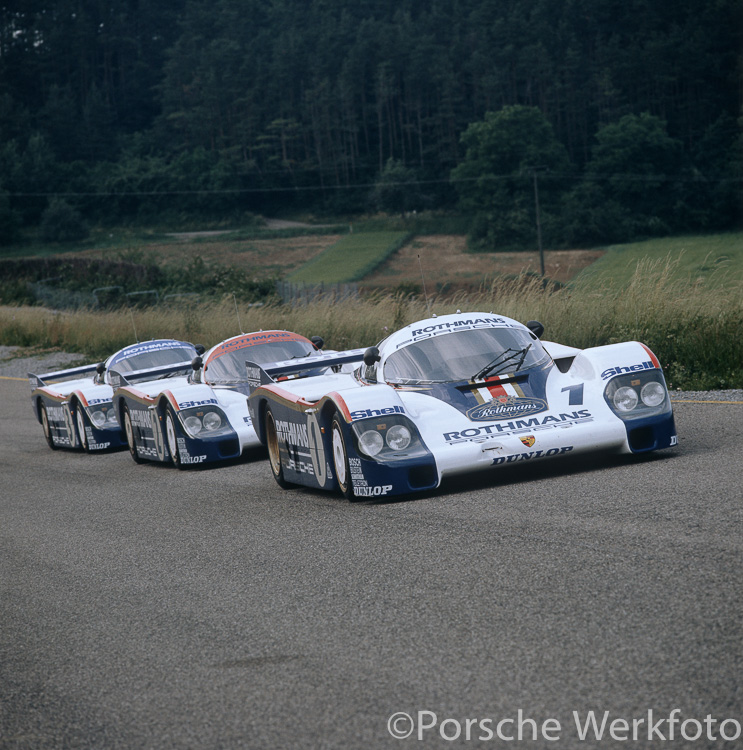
[204, 421]
[638, 395]
[102, 415]
[387, 438]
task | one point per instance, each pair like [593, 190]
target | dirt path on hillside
[444, 258]
[444, 261]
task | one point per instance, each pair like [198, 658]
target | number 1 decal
[576, 394]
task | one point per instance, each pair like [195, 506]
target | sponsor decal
[185, 456]
[532, 454]
[480, 434]
[357, 474]
[55, 413]
[360, 486]
[98, 446]
[253, 378]
[458, 325]
[387, 410]
[301, 467]
[192, 459]
[674, 440]
[372, 491]
[94, 401]
[150, 346]
[528, 441]
[506, 407]
[141, 419]
[291, 433]
[612, 371]
[191, 404]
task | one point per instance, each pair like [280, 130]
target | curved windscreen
[230, 367]
[144, 360]
[465, 355]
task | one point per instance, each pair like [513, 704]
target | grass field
[683, 297]
[349, 259]
[715, 260]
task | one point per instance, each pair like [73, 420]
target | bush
[60, 222]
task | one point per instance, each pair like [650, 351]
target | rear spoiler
[39, 381]
[119, 379]
[269, 372]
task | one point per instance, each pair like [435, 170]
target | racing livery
[202, 417]
[454, 394]
[74, 406]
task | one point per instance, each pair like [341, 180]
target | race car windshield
[465, 355]
[155, 358]
[230, 367]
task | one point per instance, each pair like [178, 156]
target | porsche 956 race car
[202, 417]
[74, 406]
[454, 394]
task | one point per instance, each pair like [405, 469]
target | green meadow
[350, 259]
[714, 260]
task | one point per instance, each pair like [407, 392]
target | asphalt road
[143, 607]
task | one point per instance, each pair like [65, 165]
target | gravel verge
[17, 362]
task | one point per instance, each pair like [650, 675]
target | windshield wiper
[502, 359]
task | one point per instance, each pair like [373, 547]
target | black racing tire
[171, 437]
[340, 459]
[81, 422]
[46, 427]
[274, 454]
[131, 441]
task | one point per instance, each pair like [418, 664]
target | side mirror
[100, 368]
[196, 364]
[200, 348]
[371, 356]
[317, 341]
[536, 328]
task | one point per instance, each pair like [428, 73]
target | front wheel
[340, 459]
[130, 439]
[274, 454]
[171, 435]
[82, 423]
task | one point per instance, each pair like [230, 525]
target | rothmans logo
[506, 407]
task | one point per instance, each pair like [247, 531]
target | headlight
[371, 442]
[625, 398]
[212, 421]
[98, 418]
[192, 424]
[653, 393]
[111, 416]
[398, 437]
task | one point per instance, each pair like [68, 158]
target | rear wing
[74, 373]
[270, 372]
[119, 379]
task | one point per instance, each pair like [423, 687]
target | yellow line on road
[7, 377]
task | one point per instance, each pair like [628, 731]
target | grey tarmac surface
[143, 607]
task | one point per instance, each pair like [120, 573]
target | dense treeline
[129, 108]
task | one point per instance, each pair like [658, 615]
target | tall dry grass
[694, 329]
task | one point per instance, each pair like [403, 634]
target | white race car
[455, 394]
[202, 418]
[74, 405]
